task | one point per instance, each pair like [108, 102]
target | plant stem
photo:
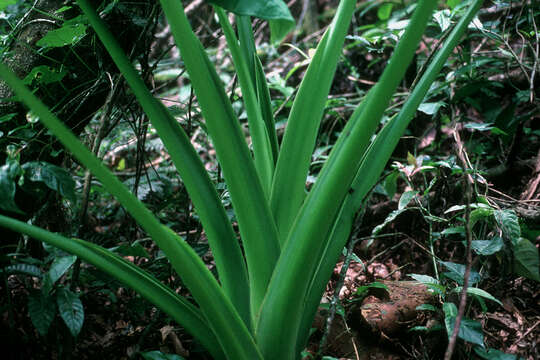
[468, 252]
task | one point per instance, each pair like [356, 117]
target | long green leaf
[232, 333]
[249, 49]
[289, 187]
[339, 236]
[221, 237]
[247, 44]
[262, 150]
[142, 282]
[257, 227]
[265, 103]
[372, 166]
[380, 151]
[284, 302]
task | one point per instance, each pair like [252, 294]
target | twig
[462, 155]
[534, 182]
[20, 24]
[346, 262]
[356, 354]
[192, 6]
[300, 23]
[536, 54]
[103, 125]
[527, 332]
[376, 256]
[463, 296]
[335, 297]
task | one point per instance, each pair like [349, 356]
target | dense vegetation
[448, 234]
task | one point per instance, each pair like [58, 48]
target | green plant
[44, 303]
[291, 240]
[501, 250]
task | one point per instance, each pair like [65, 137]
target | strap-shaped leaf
[221, 237]
[288, 189]
[372, 166]
[257, 227]
[232, 333]
[256, 71]
[139, 280]
[244, 64]
[247, 42]
[265, 103]
[290, 282]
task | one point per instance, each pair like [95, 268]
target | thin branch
[536, 54]
[463, 296]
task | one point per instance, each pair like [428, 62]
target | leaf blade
[288, 188]
[42, 310]
[139, 280]
[71, 310]
[257, 227]
[370, 170]
[262, 150]
[307, 239]
[183, 258]
[221, 237]
[59, 267]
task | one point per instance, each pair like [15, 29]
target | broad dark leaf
[487, 247]
[71, 310]
[54, 177]
[275, 11]
[131, 250]
[25, 269]
[158, 355]
[469, 330]
[41, 309]
[526, 260]
[493, 354]
[457, 273]
[59, 267]
[8, 174]
[509, 224]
